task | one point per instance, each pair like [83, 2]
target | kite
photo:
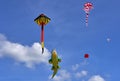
[87, 7]
[108, 39]
[42, 20]
[54, 61]
[86, 56]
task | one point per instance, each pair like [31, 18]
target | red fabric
[86, 56]
[42, 33]
[88, 6]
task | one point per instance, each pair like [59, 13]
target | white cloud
[96, 78]
[63, 76]
[83, 80]
[81, 74]
[2, 37]
[75, 67]
[29, 55]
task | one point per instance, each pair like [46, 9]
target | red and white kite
[87, 7]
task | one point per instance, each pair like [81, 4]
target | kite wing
[42, 19]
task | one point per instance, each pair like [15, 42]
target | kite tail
[42, 44]
[54, 73]
[87, 19]
[42, 38]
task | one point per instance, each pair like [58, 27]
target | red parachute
[87, 7]
[86, 56]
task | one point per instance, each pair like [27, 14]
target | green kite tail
[54, 73]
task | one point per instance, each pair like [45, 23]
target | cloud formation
[96, 78]
[81, 74]
[63, 76]
[29, 55]
[75, 67]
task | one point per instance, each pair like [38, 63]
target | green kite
[54, 61]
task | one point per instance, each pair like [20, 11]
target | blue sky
[20, 53]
